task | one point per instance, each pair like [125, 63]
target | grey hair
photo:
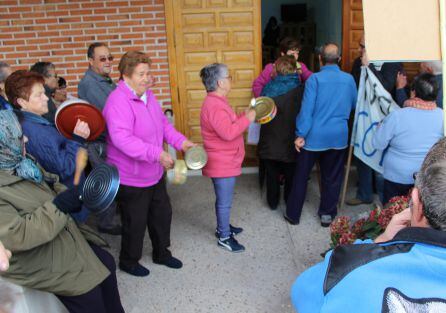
[328, 56]
[210, 74]
[436, 66]
[3, 66]
[431, 183]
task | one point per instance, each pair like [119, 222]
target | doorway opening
[312, 22]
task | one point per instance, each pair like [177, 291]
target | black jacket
[277, 137]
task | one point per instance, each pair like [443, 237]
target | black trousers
[273, 171]
[332, 165]
[104, 298]
[141, 208]
[392, 189]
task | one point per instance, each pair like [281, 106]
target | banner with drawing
[374, 104]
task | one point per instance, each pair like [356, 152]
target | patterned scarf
[421, 104]
[12, 147]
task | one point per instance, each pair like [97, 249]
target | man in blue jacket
[404, 270]
[322, 135]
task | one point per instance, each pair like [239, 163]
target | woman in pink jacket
[222, 132]
[288, 46]
[137, 129]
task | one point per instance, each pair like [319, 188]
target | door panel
[201, 32]
[353, 28]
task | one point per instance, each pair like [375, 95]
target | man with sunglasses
[94, 88]
[96, 84]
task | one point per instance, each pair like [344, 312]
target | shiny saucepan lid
[196, 158]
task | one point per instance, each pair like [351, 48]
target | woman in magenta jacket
[288, 46]
[137, 129]
[222, 132]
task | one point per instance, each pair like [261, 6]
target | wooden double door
[202, 32]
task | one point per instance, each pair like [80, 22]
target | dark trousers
[332, 164]
[392, 189]
[104, 298]
[144, 207]
[273, 171]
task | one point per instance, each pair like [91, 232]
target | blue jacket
[329, 97]
[371, 277]
[407, 134]
[4, 104]
[55, 153]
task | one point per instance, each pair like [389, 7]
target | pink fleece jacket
[265, 77]
[136, 133]
[222, 132]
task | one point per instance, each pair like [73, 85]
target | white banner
[374, 104]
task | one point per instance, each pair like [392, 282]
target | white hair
[436, 66]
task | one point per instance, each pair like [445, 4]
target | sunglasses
[104, 59]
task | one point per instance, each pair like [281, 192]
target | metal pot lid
[71, 110]
[196, 158]
[100, 188]
[263, 106]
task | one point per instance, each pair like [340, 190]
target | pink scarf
[420, 104]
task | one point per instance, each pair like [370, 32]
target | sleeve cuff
[79, 139]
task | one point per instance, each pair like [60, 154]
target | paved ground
[215, 280]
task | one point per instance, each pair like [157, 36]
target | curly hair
[130, 60]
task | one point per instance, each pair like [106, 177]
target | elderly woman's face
[37, 102]
[141, 79]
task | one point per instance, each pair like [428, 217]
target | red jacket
[222, 132]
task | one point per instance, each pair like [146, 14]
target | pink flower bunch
[342, 232]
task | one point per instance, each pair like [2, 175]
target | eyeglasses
[104, 59]
[52, 75]
[362, 46]
[228, 77]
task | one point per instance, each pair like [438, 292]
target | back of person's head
[130, 60]
[330, 53]
[289, 43]
[285, 65]
[425, 87]
[4, 71]
[94, 45]
[431, 183]
[62, 83]
[19, 85]
[210, 74]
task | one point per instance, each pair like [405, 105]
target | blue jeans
[365, 182]
[224, 191]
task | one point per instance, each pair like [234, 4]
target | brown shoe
[356, 201]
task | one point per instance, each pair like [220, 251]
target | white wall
[327, 15]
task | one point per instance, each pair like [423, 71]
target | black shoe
[137, 270]
[326, 220]
[230, 244]
[289, 220]
[115, 230]
[171, 262]
[234, 231]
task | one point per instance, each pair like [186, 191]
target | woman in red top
[222, 132]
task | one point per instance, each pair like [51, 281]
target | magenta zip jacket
[135, 136]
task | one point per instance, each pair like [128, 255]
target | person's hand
[299, 143]
[69, 201]
[250, 115]
[365, 59]
[398, 222]
[5, 255]
[401, 80]
[81, 129]
[166, 160]
[187, 144]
